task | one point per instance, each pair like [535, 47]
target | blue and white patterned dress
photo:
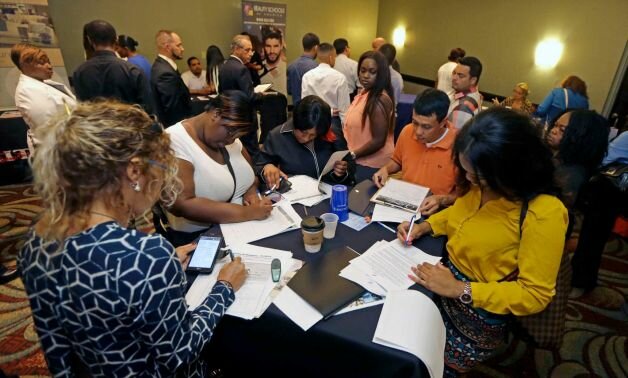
[114, 297]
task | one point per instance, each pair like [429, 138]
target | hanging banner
[26, 21]
[266, 24]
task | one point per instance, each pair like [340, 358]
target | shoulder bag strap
[566, 98]
[225, 156]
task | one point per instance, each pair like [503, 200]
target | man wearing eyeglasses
[234, 75]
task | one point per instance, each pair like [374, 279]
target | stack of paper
[411, 322]
[383, 213]
[283, 218]
[385, 267]
[253, 298]
[307, 191]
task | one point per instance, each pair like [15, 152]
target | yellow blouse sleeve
[438, 221]
[540, 252]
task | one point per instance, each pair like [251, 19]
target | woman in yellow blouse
[496, 266]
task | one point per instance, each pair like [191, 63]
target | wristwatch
[465, 297]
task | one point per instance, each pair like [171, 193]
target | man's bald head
[169, 44]
[242, 47]
[377, 43]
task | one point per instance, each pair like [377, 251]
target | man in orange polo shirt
[423, 152]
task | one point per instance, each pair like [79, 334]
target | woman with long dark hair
[214, 60]
[506, 236]
[579, 141]
[370, 119]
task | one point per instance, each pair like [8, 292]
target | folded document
[411, 322]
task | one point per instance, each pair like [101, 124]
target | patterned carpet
[595, 344]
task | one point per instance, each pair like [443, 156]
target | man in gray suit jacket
[234, 75]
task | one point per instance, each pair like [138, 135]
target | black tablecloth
[339, 347]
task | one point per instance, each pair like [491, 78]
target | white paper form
[390, 264]
[250, 299]
[401, 194]
[261, 88]
[297, 309]
[336, 156]
[355, 221]
[282, 218]
[352, 273]
[383, 213]
[411, 322]
[307, 191]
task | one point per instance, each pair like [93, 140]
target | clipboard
[319, 284]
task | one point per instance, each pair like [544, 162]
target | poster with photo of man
[266, 24]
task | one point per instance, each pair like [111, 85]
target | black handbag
[617, 174]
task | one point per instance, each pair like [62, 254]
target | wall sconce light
[548, 53]
[399, 36]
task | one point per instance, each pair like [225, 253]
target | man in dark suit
[234, 75]
[172, 98]
[104, 74]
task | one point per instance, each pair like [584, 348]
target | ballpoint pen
[275, 186]
[410, 229]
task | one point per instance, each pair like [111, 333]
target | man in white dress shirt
[390, 52]
[445, 71]
[327, 83]
[195, 78]
[345, 65]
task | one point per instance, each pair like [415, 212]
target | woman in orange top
[370, 118]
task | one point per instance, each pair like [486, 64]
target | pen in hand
[275, 186]
[410, 229]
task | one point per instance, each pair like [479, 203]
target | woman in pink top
[369, 121]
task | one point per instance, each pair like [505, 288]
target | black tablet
[205, 255]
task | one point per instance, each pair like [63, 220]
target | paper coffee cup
[312, 229]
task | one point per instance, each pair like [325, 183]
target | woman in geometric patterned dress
[108, 300]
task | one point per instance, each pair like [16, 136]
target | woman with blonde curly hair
[519, 99]
[107, 299]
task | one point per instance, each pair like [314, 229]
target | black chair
[273, 111]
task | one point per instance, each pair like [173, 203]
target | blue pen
[410, 229]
